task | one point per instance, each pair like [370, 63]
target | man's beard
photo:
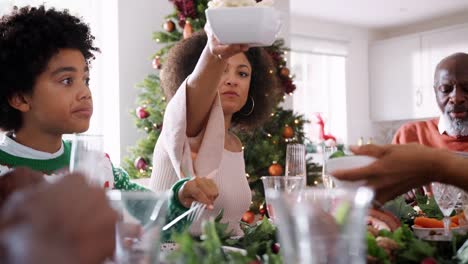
[455, 127]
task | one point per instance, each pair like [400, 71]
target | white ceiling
[378, 14]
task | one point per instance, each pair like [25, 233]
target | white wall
[452, 19]
[137, 21]
[357, 80]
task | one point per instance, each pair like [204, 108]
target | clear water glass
[323, 225]
[327, 179]
[296, 160]
[138, 231]
[283, 184]
[88, 157]
[446, 197]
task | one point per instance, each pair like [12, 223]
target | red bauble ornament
[169, 26]
[140, 163]
[275, 248]
[188, 30]
[157, 63]
[284, 72]
[428, 261]
[288, 132]
[248, 217]
[141, 112]
[275, 169]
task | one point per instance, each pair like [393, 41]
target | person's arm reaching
[400, 168]
[455, 171]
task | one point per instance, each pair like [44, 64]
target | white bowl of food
[346, 163]
[253, 25]
[437, 234]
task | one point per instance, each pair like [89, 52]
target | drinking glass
[464, 206]
[87, 157]
[446, 197]
[296, 160]
[323, 225]
[327, 179]
[138, 230]
[280, 183]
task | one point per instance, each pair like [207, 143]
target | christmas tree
[264, 148]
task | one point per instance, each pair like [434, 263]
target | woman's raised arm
[203, 83]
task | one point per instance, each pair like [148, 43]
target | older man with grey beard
[450, 131]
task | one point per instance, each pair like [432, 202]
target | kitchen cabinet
[401, 72]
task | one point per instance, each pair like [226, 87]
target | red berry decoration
[140, 163]
[248, 217]
[275, 248]
[169, 26]
[141, 112]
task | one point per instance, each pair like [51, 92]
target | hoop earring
[251, 110]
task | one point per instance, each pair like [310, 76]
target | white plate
[437, 234]
[256, 26]
[345, 163]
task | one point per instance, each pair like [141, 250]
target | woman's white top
[176, 155]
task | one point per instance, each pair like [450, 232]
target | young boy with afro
[45, 56]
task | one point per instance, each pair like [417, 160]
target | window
[104, 83]
[320, 69]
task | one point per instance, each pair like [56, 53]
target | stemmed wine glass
[446, 197]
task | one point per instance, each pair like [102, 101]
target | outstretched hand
[398, 168]
[200, 189]
[222, 51]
